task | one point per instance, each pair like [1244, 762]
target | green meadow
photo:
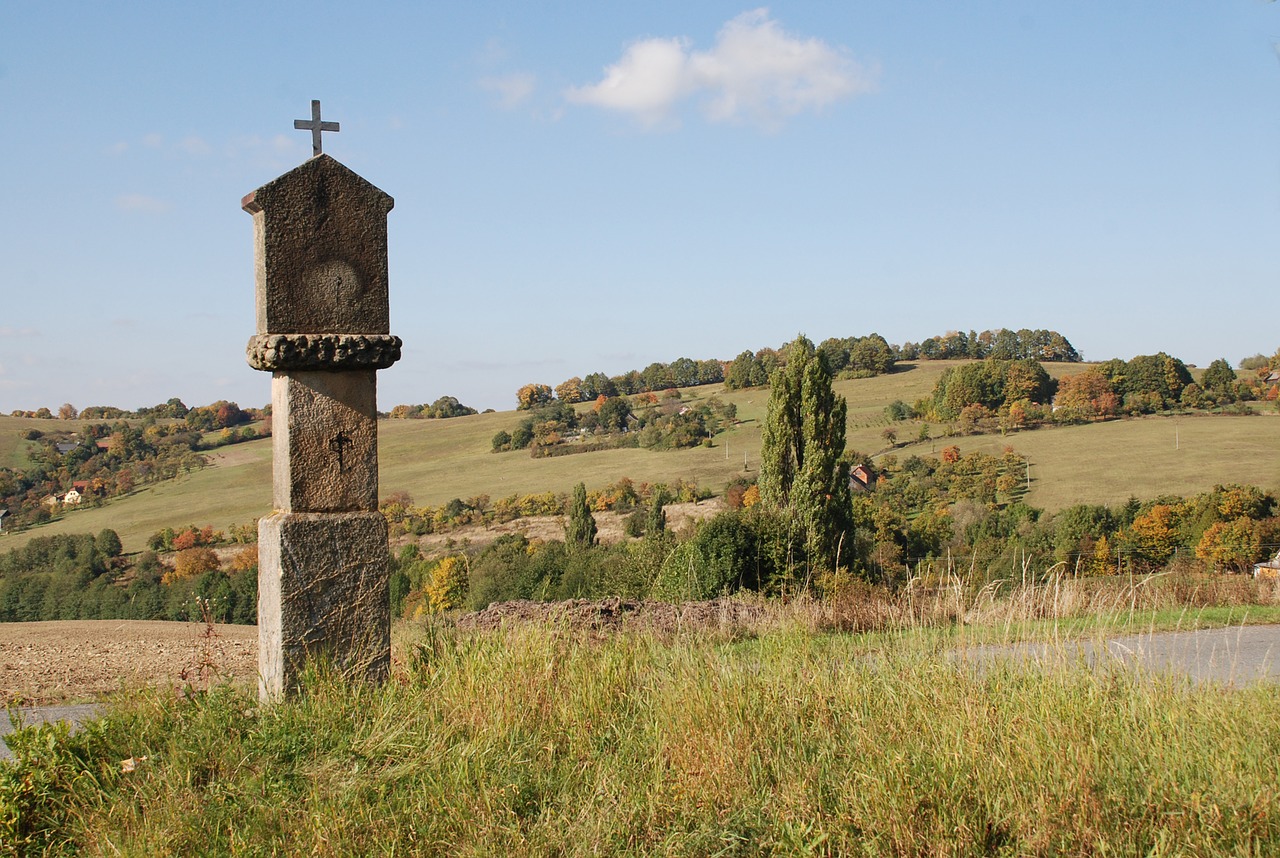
[437, 460]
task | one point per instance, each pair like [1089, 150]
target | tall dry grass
[754, 734]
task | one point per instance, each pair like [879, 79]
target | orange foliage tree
[532, 395]
[190, 563]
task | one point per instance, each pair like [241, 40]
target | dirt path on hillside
[78, 660]
[610, 527]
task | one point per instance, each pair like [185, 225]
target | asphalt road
[33, 715]
[1236, 656]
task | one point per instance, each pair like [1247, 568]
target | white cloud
[152, 141]
[195, 146]
[11, 331]
[755, 72]
[649, 79]
[141, 203]
[512, 89]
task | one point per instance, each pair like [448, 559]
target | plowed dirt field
[79, 660]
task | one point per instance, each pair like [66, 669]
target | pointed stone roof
[320, 232]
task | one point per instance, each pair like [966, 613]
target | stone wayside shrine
[323, 331]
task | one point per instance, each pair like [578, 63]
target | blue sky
[586, 187]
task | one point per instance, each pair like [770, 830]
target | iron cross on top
[315, 126]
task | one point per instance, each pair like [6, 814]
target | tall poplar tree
[801, 472]
[580, 530]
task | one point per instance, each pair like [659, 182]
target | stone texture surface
[325, 441]
[322, 594]
[271, 352]
[320, 241]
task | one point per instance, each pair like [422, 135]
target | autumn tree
[532, 396]
[68, 411]
[1232, 544]
[802, 474]
[1153, 536]
[191, 563]
[448, 586]
[1086, 395]
[570, 390]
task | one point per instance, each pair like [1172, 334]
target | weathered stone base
[322, 594]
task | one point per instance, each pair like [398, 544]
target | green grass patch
[1107, 463]
[541, 741]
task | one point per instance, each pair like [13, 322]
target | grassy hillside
[13, 446]
[1109, 462]
[436, 460]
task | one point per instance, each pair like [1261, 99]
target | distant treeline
[991, 394]
[1002, 344]
[220, 415]
[849, 357]
[445, 406]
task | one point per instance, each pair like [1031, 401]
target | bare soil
[72, 661]
[79, 660]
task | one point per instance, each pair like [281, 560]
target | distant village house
[861, 479]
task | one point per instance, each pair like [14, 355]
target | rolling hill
[437, 460]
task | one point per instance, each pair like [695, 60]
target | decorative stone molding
[271, 352]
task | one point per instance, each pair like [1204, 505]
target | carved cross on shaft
[315, 126]
[338, 444]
